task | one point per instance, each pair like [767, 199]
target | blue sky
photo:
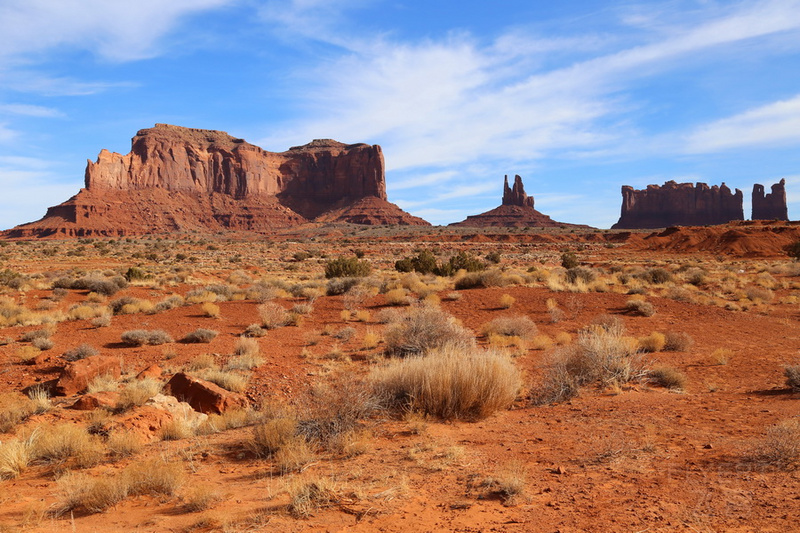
[577, 97]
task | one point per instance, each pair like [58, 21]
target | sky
[578, 98]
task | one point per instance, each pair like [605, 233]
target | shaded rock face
[771, 206]
[678, 204]
[516, 195]
[184, 179]
[202, 395]
[516, 211]
[77, 375]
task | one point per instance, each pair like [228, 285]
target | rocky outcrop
[516, 211]
[203, 395]
[773, 205]
[179, 179]
[77, 375]
[678, 204]
[516, 195]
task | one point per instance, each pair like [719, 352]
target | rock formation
[516, 195]
[678, 204]
[184, 179]
[773, 205]
[516, 211]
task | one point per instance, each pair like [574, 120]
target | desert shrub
[337, 286]
[398, 296]
[569, 260]
[370, 340]
[608, 322]
[270, 435]
[123, 444]
[655, 276]
[200, 335]
[510, 482]
[792, 374]
[511, 326]
[668, 377]
[793, 250]
[640, 307]
[424, 263]
[255, 330]
[154, 476]
[721, 356]
[451, 383]
[579, 273]
[272, 315]
[137, 393]
[307, 497]
[78, 491]
[506, 301]
[43, 343]
[179, 428]
[345, 334]
[136, 274]
[14, 409]
[14, 458]
[652, 343]
[347, 267]
[210, 310]
[61, 442]
[600, 356]
[460, 261]
[140, 337]
[695, 276]
[333, 409]
[780, 446]
[756, 294]
[424, 328]
[80, 352]
[30, 336]
[675, 341]
[488, 278]
[170, 302]
[118, 304]
[100, 285]
[102, 321]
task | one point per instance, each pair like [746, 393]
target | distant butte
[516, 211]
[178, 179]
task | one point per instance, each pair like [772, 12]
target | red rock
[96, 400]
[516, 211]
[191, 180]
[77, 375]
[678, 204]
[202, 395]
[773, 205]
[152, 371]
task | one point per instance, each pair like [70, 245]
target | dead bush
[451, 383]
[640, 307]
[780, 446]
[677, 341]
[200, 336]
[424, 328]
[140, 337]
[792, 374]
[511, 326]
[600, 356]
[272, 315]
[80, 352]
[668, 377]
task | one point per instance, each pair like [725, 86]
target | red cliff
[678, 204]
[184, 179]
[773, 205]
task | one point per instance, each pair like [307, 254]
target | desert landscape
[273, 366]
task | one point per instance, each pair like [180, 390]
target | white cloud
[115, 30]
[773, 124]
[30, 110]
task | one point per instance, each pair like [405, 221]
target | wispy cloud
[29, 110]
[773, 124]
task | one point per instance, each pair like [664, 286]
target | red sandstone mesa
[516, 211]
[773, 205]
[678, 204]
[184, 179]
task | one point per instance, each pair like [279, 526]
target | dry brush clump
[600, 356]
[424, 328]
[511, 326]
[200, 336]
[792, 374]
[668, 377]
[780, 446]
[140, 337]
[451, 382]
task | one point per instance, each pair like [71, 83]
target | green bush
[347, 267]
[569, 260]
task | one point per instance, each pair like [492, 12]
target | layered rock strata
[184, 179]
[771, 206]
[678, 204]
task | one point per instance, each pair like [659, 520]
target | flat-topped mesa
[516, 195]
[773, 205]
[185, 179]
[206, 161]
[678, 204]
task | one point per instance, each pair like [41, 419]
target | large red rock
[96, 400]
[190, 180]
[202, 395]
[516, 211]
[77, 375]
[771, 206]
[678, 204]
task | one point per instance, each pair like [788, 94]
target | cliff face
[678, 204]
[177, 179]
[516, 211]
[773, 205]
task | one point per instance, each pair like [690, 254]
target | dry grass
[640, 307]
[398, 296]
[272, 315]
[14, 458]
[66, 442]
[449, 383]
[677, 341]
[654, 342]
[140, 337]
[668, 377]
[780, 446]
[210, 310]
[510, 482]
[83, 492]
[154, 476]
[123, 444]
[721, 356]
[80, 352]
[14, 408]
[307, 496]
[137, 392]
[269, 436]
[200, 336]
[370, 340]
[425, 328]
[231, 380]
[201, 498]
[600, 356]
[506, 301]
[178, 428]
[511, 326]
